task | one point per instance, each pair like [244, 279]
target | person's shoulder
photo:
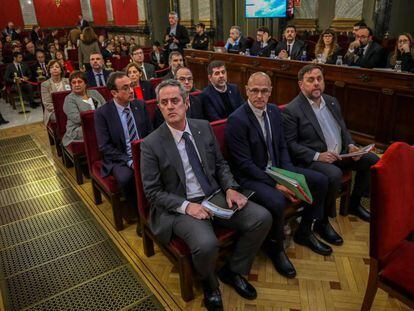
[294, 103]
[240, 114]
[329, 98]
[233, 86]
[198, 123]
[108, 106]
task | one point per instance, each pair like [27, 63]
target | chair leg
[117, 212]
[58, 148]
[51, 139]
[97, 196]
[78, 169]
[66, 160]
[186, 278]
[372, 286]
[147, 242]
[344, 202]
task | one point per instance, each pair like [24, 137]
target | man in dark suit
[176, 37]
[98, 75]
[118, 123]
[181, 165]
[175, 61]
[316, 135]
[35, 34]
[137, 56]
[200, 40]
[158, 58]
[82, 23]
[30, 53]
[10, 31]
[364, 52]
[255, 140]
[264, 44]
[40, 63]
[236, 43]
[219, 98]
[290, 47]
[20, 71]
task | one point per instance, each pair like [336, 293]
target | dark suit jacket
[149, 70]
[11, 69]
[237, 48]
[297, 50]
[247, 145]
[213, 106]
[91, 77]
[34, 36]
[147, 90]
[181, 34]
[34, 74]
[82, 24]
[163, 174]
[332, 59]
[257, 50]
[374, 57]
[110, 134]
[195, 111]
[154, 59]
[303, 133]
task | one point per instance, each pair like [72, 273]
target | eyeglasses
[184, 79]
[403, 41]
[328, 36]
[257, 91]
[126, 88]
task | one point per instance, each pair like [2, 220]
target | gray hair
[170, 82]
[236, 28]
[174, 13]
[173, 53]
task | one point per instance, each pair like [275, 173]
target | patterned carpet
[53, 253]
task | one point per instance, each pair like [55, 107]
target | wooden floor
[336, 282]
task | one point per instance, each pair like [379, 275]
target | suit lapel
[272, 116]
[310, 114]
[198, 138]
[255, 123]
[171, 151]
[117, 125]
[137, 117]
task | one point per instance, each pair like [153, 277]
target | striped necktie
[133, 135]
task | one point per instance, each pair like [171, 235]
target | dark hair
[135, 48]
[320, 45]
[307, 69]
[156, 43]
[215, 64]
[51, 63]
[360, 24]
[61, 52]
[370, 33]
[133, 64]
[201, 25]
[110, 84]
[16, 54]
[263, 29]
[291, 26]
[89, 35]
[78, 74]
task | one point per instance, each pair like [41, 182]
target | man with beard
[290, 48]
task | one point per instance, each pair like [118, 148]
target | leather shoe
[239, 283]
[212, 300]
[328, 233]
[360, 212]
[313, 243]
[280, 261]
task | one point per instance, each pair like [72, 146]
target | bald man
[255, 141]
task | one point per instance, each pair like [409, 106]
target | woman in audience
[69, 46]
[56, 83]
[87, 46]
[327, 49]
[404, 52]
[66, 64]
[143, 90]
[125, 49]
[80, 99]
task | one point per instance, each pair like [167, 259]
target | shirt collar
[220, 91]
[97, 72]
[177, 134]
[257, 112]
[314, 105]
[121, 108]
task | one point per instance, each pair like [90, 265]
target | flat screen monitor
[265, 8]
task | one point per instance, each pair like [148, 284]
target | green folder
[293, 181]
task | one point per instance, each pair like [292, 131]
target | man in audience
[109, 51]
[21, 72]
[364, 52]
[30, 54]
[157, 56]
[119, 122]
[255, 140]
[175, 60]
[236, 43]
[181, 165]
[10, 31]
[176, 37]
[82, 23]
[50, 38]
[316, 135]
[290, 47]
[148, 70]
[200, 41]
[219, 98]
[356, 27]
[40, 63]
[98, 75]
[264, 44]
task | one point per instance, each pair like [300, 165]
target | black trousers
[124, 175]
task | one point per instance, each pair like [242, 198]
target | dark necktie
[269, 144]
[133, 135]
[19, 71]
[44, 69]
[196, 165]
[101, 81]
[289, 46]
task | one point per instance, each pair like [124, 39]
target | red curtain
[99, 12]
[50, 15]
[125, 12]
[10, 11]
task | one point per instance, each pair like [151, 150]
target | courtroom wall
[402, 14]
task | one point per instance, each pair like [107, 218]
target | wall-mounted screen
[265, 8]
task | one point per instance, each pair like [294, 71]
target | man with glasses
[364, 52]
[264, 43]
[119, 122]
[137, 56]
[219, 98]
[255, 140]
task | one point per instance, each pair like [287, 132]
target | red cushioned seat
[109, 183]
[76, 147]
[399, 270]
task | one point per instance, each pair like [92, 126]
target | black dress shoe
[212, 300]
[360, 212]
[2, 121]
[239, 283]
[313, 243]
[328, 233]
[280, 261]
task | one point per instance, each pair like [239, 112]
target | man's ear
[113, 92]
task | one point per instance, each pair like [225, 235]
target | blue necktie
[100, 79]
[133, 135]
[196, 165]
[269, 144]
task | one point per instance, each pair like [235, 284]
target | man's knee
[369, 160]
[206, 246]
[258, 217]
